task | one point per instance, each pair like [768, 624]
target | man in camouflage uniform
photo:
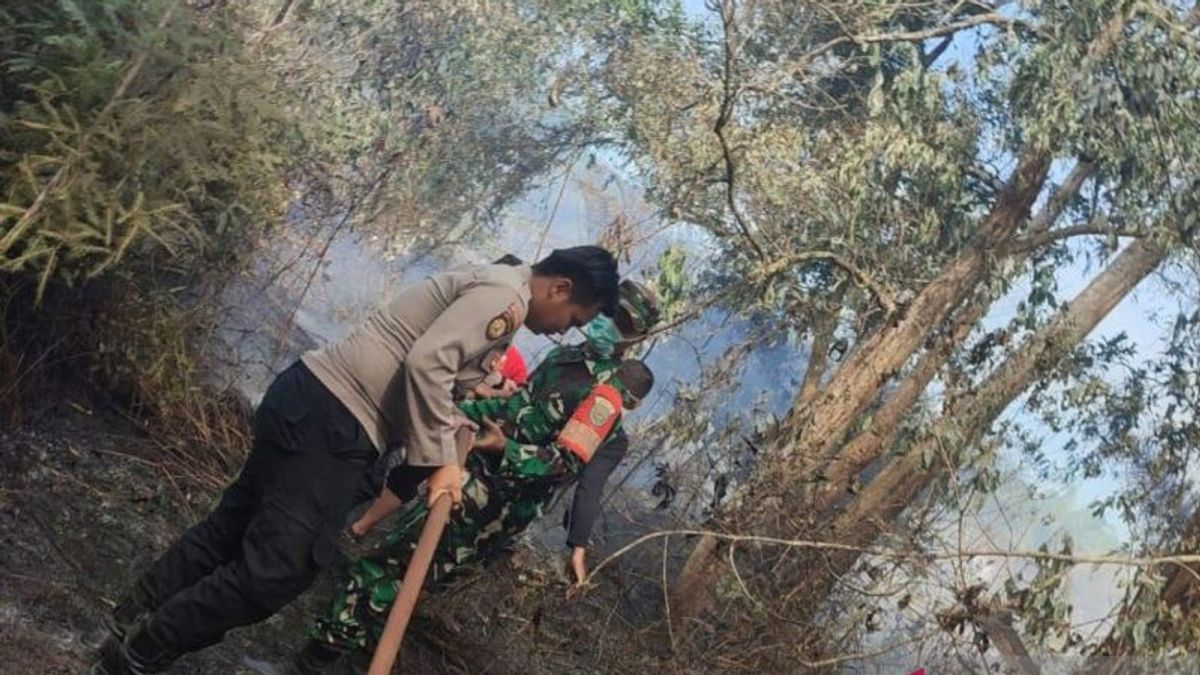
[636, 316]
[548, 435]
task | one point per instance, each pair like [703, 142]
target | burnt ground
[84, 504]
[81, 509]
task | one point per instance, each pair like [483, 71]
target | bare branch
[728, 101]
[1096, 227]
[991, 18]
[933, 55]
[802, 63]
[1080, 173]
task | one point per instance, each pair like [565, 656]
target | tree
[871, 207]
[893, 338]
[944, 448]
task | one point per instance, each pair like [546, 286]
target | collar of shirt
[525, 273]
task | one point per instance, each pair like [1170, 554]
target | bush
[124, 136]
[141, 155]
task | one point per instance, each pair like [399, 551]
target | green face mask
[602, 335]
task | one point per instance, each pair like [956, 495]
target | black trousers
[275, 527]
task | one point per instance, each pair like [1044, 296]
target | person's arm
[503, 389]
[479, 320]
[593, 420]
[384, 505]
[481, 409]
[485, 390]
[585, 508]
[578, 568]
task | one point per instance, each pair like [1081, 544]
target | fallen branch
[927, 556]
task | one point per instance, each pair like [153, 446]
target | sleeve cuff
[441, 454]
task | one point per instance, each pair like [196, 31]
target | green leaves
[672, 281]
[195, 131]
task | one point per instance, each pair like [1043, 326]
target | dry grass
[130, 352]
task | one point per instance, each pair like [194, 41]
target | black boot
[116, 659]
[110, 660]
[126, 618]
[317, 658]
[139, 654]
[129, 613]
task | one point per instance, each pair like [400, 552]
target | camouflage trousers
[482, 527]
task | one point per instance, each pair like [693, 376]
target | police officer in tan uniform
[321, 423]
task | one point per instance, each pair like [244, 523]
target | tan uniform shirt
[395, 372]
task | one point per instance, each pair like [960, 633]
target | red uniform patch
[593, 419]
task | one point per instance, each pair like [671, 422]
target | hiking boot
[124, 620]
[129, 614]
[116, 659]
[139, 654]
[109, 658]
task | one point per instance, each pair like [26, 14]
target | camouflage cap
[640, 305]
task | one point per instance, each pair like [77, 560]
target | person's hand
[508, 388]
[446, 480]
[578, 570]
[492, 439]
[484, 390]
[461, 422]
[353, 546]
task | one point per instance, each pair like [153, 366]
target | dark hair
[636, 377]
[508, 259]
[592, 271]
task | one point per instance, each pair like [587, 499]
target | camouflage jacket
[571, 406]
[556, 423]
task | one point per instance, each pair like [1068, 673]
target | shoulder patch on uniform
[497, 327]
[602, 411]
[504, 323]
[593, 420]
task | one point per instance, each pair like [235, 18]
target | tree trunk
[818, 362]
[840, 473]
[811, 437]
[817, 432]
[894, 489]
[999, 628]
[858, 382]
[838, 476]
[821, 426]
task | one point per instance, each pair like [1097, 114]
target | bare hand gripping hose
[414, 576]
